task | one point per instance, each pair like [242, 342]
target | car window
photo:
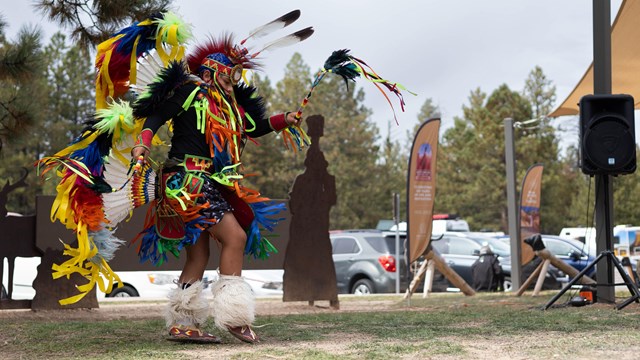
[499, 248]
[377, 243]
[345, 245]
[462, 246]
[385, 244]
[558, 247]
[442, 245]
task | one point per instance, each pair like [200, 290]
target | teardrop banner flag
[530, 209]
[421, 188]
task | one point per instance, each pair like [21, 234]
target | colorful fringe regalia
[98, 185]
[96, 190]
[175, 220]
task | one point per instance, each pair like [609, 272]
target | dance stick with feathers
[349, 68]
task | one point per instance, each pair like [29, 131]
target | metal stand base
[633, 289]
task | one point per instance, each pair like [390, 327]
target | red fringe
[87, 207]
[225, 45]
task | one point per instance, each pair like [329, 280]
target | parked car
[146, 284]
[365, 261]
[460, 250]
[573, 252]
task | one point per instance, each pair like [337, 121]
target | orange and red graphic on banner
[530, 209]
[421, 188]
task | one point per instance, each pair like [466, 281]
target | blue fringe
[220, 159]
[257, 246]
[151, 248]
[147, 39]
[297, 137]
[155, 249]
[91, 157]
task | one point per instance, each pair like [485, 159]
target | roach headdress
[225, 56]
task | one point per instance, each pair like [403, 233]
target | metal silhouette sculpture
[309, 273]
[18, 240]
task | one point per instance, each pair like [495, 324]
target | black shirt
[187, 138]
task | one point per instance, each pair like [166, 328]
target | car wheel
[362, 287]
[506, 285]
[124, 291]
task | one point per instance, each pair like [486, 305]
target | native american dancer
[196, 194]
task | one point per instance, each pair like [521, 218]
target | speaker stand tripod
[608, 255]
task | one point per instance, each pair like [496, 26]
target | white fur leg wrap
[187, 306]
[233, 302]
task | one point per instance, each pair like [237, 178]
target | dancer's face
[225, 83]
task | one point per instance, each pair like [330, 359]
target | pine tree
[275, 166]
[19, 70]
[539, 144]
[428, 111]
[62, 92]
[92, 22]
[349, 145]
[393, 176]
[471, 172]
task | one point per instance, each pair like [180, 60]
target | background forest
[48, 91]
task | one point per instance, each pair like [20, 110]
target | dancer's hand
[139, 155]
[138, 151]
[291, 119]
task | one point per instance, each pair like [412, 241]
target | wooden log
[541, 277]
[428, 279]
[530, 279]
[566, 268]
[449, 273]
[416, 280]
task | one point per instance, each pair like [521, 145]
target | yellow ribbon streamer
[77, 146]
[96, 273]
[133, 68]
[160, 50]
[60, 209]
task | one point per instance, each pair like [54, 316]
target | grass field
[443, 326]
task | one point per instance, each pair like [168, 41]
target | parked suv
[365, 261]
[460, 250]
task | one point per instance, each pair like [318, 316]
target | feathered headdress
[240, 57]
[223, 45]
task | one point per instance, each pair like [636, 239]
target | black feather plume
[253, 105]
[340, 63]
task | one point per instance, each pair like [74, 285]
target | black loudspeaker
[607, 134]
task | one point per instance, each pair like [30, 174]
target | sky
[437, 49]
